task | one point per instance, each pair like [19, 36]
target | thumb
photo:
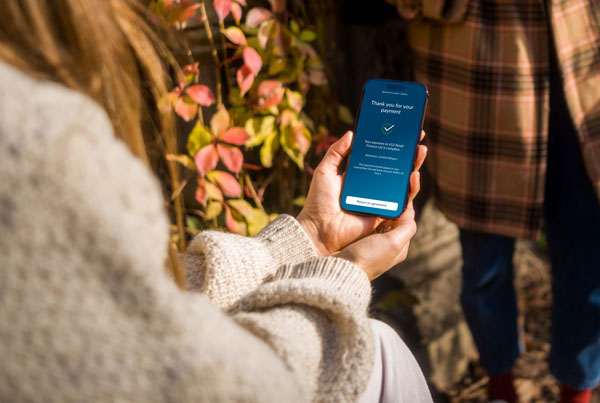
[337, 152]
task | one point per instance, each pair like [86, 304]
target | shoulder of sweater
[59, 158]
[35, 110]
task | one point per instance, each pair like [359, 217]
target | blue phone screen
[387, 132]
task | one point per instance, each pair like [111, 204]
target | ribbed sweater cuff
[344, 277]
[286, 241]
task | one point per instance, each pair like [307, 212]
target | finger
[408, 215]
[338, 150]
[415, 185]
[387, 225]
[420, 158]
[405, 229]
[422, 135]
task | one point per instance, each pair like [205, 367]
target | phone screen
[386, 135]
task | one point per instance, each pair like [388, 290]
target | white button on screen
[360, 201]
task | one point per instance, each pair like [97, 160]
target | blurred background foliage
[256, 105]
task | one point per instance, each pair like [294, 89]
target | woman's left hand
[329, 227]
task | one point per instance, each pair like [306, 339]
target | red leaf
[245, 78]
[201, 94]
[303, 82]
[317, 77]
[207, 191]
[256, 16]
[253, 167]
[201, 192]
[228, 184]
[189, 72]
[277, 5]
[235, 35]
[235, 135]
[287, 117]
[191, 69]
[300, 140]
[231, 156]
[214, 193]
[220, 121]
[206, 159]
[236, 11]
[186, 108]
[252, 60]
[239, 227]
[270, 93]
[294, 99]
[183, 11]
[222, 7]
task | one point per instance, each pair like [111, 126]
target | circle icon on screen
[387, 128]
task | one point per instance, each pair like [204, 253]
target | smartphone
[386, 134]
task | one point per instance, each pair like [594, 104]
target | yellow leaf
[268, 149]
[213, 210]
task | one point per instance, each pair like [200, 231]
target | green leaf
[345, 115]
[276, 65]
[294, 27]
[293, 68]
[308, 122]
[299, 201]
[235, 35]
[199, 137]
[241, 206]
[259, 129]
[257, 221]
[254, 218]
[193, 222]
[268, 149]
[294, 99]
[213, 210]
[307, 35]
[286, 144]
[183, 159]
[295, 141]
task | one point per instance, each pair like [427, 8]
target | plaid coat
[486, 64]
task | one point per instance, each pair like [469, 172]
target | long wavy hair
[109, 51]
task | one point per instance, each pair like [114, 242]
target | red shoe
[500, 387]
[570, 395]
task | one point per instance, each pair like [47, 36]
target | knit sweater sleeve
[88, 311]
[214, 259]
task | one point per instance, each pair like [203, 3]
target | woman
[86, 310]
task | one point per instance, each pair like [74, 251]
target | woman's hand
[378, 252]
[330, 228]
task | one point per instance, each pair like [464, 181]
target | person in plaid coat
[513, 127]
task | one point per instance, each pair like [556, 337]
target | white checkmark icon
[387, 129]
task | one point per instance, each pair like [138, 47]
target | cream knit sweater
[87, 312]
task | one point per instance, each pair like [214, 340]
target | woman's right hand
[379, 252]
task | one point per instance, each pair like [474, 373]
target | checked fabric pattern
[486, 64]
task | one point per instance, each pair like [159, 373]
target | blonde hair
[107, 50]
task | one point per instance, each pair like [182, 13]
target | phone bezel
[414, 152]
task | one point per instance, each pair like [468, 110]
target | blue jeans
[572, 219]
